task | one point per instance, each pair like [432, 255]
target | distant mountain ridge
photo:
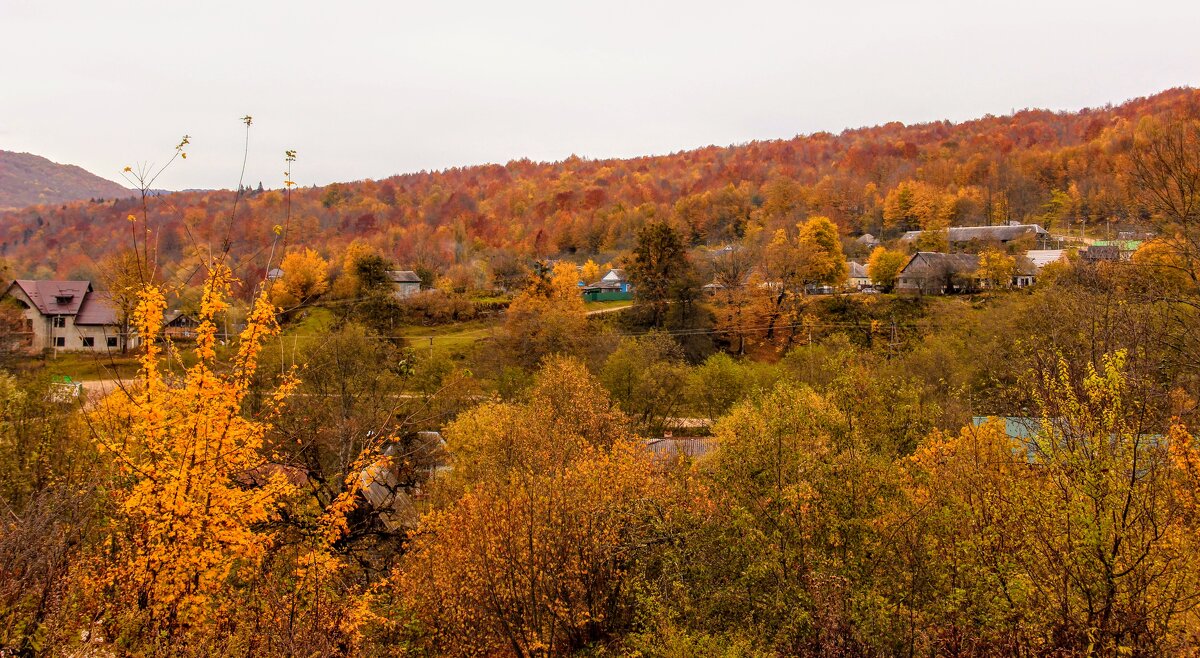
[27, 179]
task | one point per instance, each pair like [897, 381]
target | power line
[670, 332]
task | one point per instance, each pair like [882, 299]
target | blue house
[611, 286]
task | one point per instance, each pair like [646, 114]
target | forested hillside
[1055, 168]
[746, 455]
[27, 179]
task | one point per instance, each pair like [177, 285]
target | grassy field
[607, 305]
[83, 367]
[451, 339]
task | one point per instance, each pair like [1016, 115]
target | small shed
[405, 283]
[178, 325]
[1025, 272]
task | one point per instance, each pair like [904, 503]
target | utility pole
[810, 357]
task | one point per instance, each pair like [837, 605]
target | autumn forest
[767, 399]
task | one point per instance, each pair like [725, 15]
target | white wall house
[68, 315]
[857, 275]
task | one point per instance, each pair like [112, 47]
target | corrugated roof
[927, 260]
[1043, 257]
[984, 233]
[55, 297]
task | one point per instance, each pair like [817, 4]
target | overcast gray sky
[371, 89]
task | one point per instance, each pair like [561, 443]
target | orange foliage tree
[534, 558]
[195, 491]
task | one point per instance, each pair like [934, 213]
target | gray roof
[1043, 257]
[602, 285]
[924, 261]
[54, 297]
[403, 276]
[857, 270]
[984, 233]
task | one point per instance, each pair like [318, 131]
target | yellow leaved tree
[547, 318]
[590, 272]
[885, 265]
[194, 494]
[996, 268]
[305, 277]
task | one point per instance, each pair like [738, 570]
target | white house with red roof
[68, 315]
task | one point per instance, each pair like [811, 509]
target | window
[60, 341]
[60, 321]
[89, 341]
[111, 341]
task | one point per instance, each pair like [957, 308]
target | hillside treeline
[1059, 169]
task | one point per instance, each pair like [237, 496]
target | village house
[68, 315]
[405, 283]
[613, 285]
[178, 325]
[617, 277]
[857, 275]
[933, 273]
[1025, 272]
